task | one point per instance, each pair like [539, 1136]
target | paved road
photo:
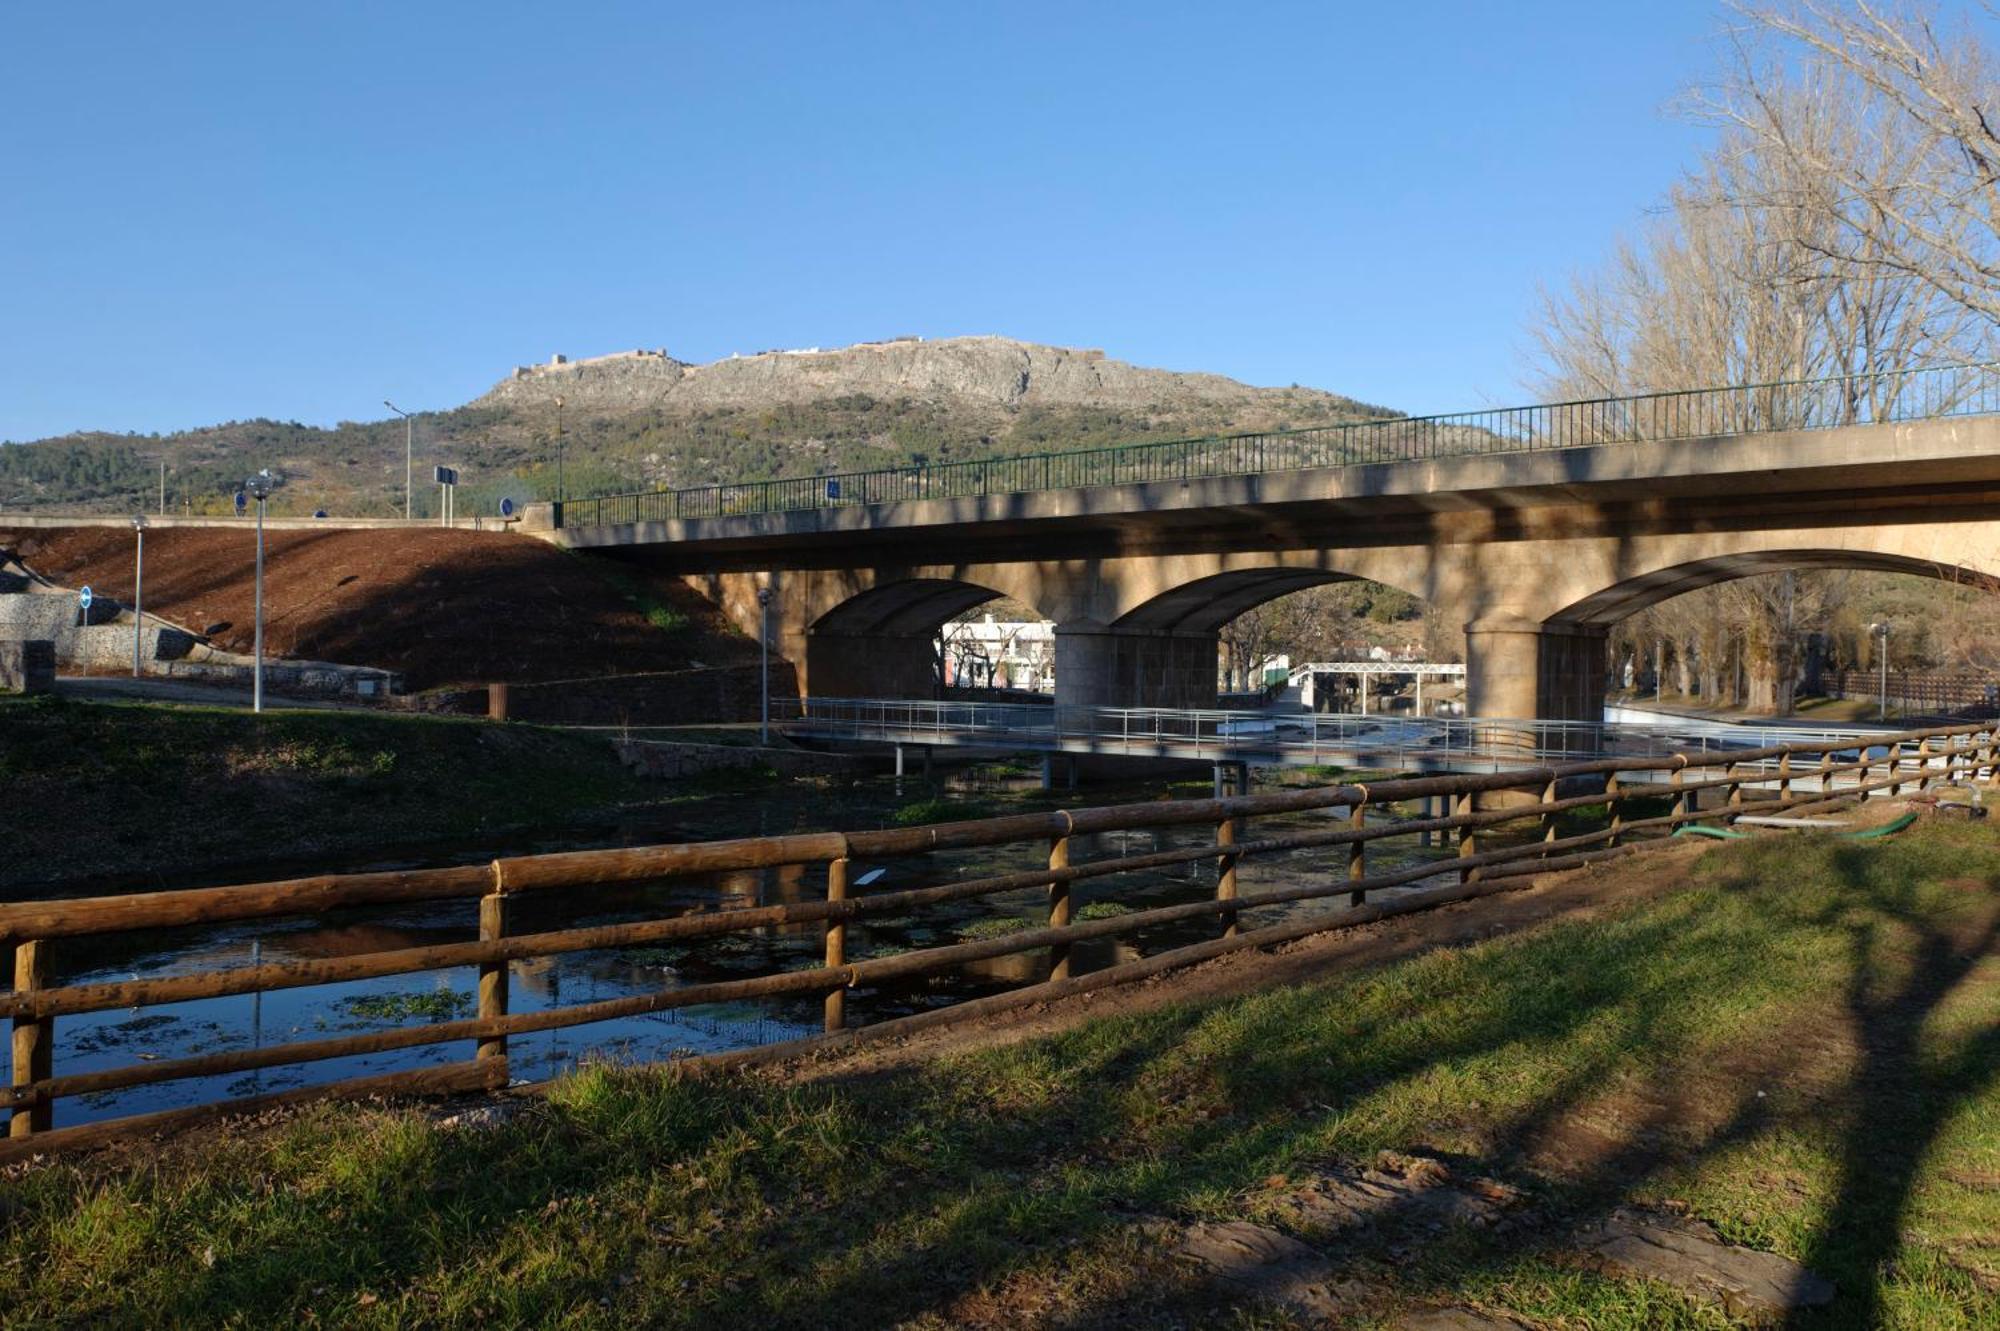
[100, 688]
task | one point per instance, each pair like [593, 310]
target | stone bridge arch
[1161, 650]
[881, 642]
[1541, 653]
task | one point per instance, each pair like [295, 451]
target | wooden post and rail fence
[1604, 792]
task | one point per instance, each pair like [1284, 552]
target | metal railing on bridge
[1805, 404]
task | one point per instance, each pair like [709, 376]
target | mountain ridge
[642, 419]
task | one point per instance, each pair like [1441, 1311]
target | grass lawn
[118, 788]
[1802, 1047]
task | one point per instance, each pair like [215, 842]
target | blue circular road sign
[506, 508]
[85, 597]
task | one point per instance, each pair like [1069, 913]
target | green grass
[937, 811]
[667, 618]
[1801, 1045]
[422, 1004]
[117, 788]
[1105, 910]
[994, 926]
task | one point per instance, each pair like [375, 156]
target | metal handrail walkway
[1291, 739]
[1802, 404]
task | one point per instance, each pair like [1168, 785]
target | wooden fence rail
[1601, 791]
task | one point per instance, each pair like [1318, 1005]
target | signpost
[447, 479]
[83, 600]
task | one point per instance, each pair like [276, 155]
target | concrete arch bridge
[1536, 551]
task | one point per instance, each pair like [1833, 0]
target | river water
[168, 1031]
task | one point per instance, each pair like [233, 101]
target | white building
[1000, 654]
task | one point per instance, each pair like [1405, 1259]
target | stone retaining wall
[27, 667]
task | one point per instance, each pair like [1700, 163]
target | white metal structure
[1301, 677]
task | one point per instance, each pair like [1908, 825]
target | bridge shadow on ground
[1801, 1048]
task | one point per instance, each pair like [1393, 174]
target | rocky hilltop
[643, 419]
[993, 373]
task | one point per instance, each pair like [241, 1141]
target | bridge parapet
[1710, 413]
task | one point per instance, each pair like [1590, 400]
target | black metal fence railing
[1809, 404]
[1921, 691]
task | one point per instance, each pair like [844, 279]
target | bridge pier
[871, 665]
[1518, 669]
[1098, 667]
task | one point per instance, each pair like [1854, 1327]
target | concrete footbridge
[1236, 739]
[1536, 528]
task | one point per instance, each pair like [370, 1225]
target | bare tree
[1912, 189]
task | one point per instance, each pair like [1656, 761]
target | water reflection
[169, 1031]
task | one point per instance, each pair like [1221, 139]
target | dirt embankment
[443, 607]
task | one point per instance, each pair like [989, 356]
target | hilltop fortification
[996, 373]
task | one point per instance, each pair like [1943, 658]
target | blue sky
[217, 211]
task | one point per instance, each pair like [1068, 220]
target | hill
[442, 607]
[641, 419]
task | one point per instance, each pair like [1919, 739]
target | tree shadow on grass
[897, 1197]
[1902, 1100]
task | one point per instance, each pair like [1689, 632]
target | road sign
[85, 597]
[447, 475]
[242, 503]
[506, 508]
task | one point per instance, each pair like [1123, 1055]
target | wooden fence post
[1548, 814]
[836, 942]
[1825, 773]
[1785, 780]
[1889, 775]
[1614, 804]
[1923, 765]
[1357, 851]
[493, 974]
[1225, 873]
[1059, 906]
[1468, 839]
[34, 1040]
[1677, 781]
[1735, 792]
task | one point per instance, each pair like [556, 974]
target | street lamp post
[409, 454]
[764, 654]
[138, 587]
[259, 488]
[560, 496]
[1882, 662]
